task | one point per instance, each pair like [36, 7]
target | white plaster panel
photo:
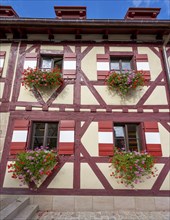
[11, 182]
[165, 140]
[30, 63]
[26, 95]
[69, 65]
[1, 62]
[152, 138]
[105, 137]
[87, 98]
[88, 179]
[166, 183]
[19, 136]
[154, 99]
[112, 98]
[154, 61]
[66, 96]
[51, 47]
[64, 178]
[90, 139]
[88, 63]
[147, 184]
[103, 66]
[1, 89]
[67, 136]
[120, 49]
[142, 66]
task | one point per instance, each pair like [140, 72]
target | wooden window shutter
[142, 64]
[105, 136]
[19, 137]
[103, 66]
[30, 60]
[69, 66]
[66, 137]
[2, 61]
[152, 138]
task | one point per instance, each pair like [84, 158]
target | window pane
[37, 142]
[58, 63]
[114, 65]
[119, 131]
[132, 137]
[120, 143]
[46, 63]
[52, 129]
[39, 129]
[51, 143]
[126, 65]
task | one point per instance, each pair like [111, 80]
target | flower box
[124, 82]
[31, 167]
[41, 78]
[130, 167]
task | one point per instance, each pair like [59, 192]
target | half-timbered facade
[83, 114]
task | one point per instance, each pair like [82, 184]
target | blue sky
[97, 9]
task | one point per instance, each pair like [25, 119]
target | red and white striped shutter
[2, 61]
[19, 137]
[142, 63]
[30, 60]
[66, 137]
[152, 138]
[69, 66]
[105, 137]
[103, 66]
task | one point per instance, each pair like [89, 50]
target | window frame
[31, 136]
[53, 59]
[123, 55]
[139, 136]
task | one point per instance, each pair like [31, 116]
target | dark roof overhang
[24, 26]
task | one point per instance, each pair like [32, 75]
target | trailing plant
[124, 82]
[32, 166]
[41, 79]
[130, 167]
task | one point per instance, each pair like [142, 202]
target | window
[50, 62]
[127, 136]
[121, 64]
[44, 134]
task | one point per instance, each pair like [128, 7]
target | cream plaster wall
[66, 96]
[146, 37]
[4, 118]
[89, 65]
[157, 97]
[5, 47]
[95, 37]
[154, 61]
[166, 183]
[1, 89]
[147, 184]
[120, 49]
[11, 182]
[72, 48]
[90, 139]
[51, 47]
[25, 95]
[37, 37]
[111, 98]
[88, 179]
[87, 97]
[64, 178]
[83, 48]
[165, 141]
